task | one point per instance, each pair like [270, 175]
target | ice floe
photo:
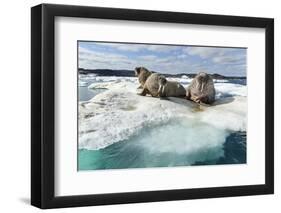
[82, 83]
[118, 113]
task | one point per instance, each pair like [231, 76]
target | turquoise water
[167, 145]
[136, 153]
[86, 94]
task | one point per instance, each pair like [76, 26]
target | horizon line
[181, 73]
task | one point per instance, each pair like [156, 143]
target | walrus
[142, 73]
[170, 88]
[201, 89]
[151, 85]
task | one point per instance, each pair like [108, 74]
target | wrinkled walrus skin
[142, 73]
[151, 85]
[201, 89]
[170, 88]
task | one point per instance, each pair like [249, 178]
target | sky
[170, 59]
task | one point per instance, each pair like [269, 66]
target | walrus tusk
[159, 90]
[202, 87]
[197, 84]
[163, 89]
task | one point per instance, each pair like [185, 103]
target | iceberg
[184, 77]
[118, 114]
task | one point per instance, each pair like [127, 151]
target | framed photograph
[139, 106]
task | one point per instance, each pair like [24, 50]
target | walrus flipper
[188, 94]
[143, 92]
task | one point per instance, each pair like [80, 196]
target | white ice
[82, 83]
[119, 113]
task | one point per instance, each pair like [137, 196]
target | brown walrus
[151, 85]
[201, 89]
[157, 86]
[142, 73]
[170, 88]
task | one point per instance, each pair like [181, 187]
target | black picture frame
[43, 102]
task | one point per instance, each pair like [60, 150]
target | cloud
[219, 55]
[162, 48]
[139, 47]
[124, 47]
[93, 60]
[226, 60]
[99, 56]
[182, 56]
[90, 59]
[161, 58]
[148, 57]
[204, 52]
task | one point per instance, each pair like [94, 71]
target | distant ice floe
[230, 89]
[183, 81]
[87, 76]
[82, 83]
[220, 81]
[118, 114]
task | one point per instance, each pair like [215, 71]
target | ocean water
[133, 154]
[167, 144]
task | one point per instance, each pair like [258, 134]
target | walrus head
[142, 74]
[162, 81]
[138, 70]
[201, 89]
[202, 79]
